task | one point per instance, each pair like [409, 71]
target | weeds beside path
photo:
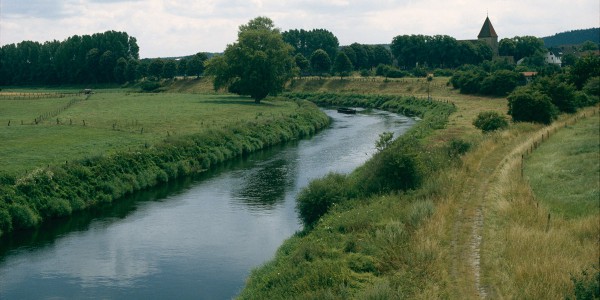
[472, 236]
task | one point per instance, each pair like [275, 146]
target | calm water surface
[197, 238]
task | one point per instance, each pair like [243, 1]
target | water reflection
[266, 184]
[191, 238]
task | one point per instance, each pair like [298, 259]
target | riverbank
[445, 237]
[59, 189]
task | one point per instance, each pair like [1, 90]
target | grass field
[564, 172]
[110, 121]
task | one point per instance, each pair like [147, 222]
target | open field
[113, 121]
[564, 172]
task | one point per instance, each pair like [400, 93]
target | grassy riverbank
[84, 151]
[469, 229]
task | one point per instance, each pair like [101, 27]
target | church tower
[488, 35]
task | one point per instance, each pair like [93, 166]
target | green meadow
[110, 121]
[565, 171]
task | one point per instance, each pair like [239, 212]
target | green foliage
[587, 284]
[87, 59]
[561, 94]
[526, 104]
[258, 64]
[584, 69]
[458, 147]
[342, 65]
[320, 62]
[150, 85]
[490, 121]
[319, 196]
[398, 169]
[306, 42]
[385, 139]
[475, 80]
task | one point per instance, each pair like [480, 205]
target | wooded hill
[573, 37]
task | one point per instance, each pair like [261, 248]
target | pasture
[74, 127]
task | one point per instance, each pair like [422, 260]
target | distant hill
[573, 37]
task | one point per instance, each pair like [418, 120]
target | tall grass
[59, 189]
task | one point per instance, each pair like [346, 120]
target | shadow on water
[263, 187]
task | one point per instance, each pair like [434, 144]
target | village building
[488, 35]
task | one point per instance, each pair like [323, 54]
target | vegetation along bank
[59, 189]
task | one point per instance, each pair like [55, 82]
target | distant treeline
[573, 37]
[99, 58]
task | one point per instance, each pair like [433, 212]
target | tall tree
[195, 65]
[169, 69]
[320, 62]
[155, 69]
[258, 64]
[342, 65]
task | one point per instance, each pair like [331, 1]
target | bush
[528, 105]
[316, 199]
[150, 86]
[397, 168]
[457, 147]
[489, 121]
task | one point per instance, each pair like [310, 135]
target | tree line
[99, 58]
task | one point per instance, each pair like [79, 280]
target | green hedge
[58, 191]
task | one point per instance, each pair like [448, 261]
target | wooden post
[548, 224]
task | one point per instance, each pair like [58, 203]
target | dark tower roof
[487, 30]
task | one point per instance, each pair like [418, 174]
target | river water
[196, 238]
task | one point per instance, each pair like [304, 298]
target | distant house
[552, 58]
[529, 76]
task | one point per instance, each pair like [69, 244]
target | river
[196, 238]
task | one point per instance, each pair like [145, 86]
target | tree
[307, 42]
[182, 67]
[342, 65]
[155, 69]
[561, 94]
[195, 65]
[526, 104]
[169, 69]
[381, 55]
[320, 62]
[258, 64]
[586, 67]
[302, 63]
[120, 69]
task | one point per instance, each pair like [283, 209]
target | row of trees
[102, 57]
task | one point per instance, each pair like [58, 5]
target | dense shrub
[561, 94]
[150, 86]
[315, 200]
[489, 121]
[529, 105]
[397, 169]
[475, 80]
[457, 147]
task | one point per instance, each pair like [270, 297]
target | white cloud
[177, 27]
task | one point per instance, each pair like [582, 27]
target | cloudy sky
[176, 27]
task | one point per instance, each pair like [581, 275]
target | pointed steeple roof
[487, 30]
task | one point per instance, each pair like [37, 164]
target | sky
[168, 28]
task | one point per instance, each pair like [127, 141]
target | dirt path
[490, 174]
